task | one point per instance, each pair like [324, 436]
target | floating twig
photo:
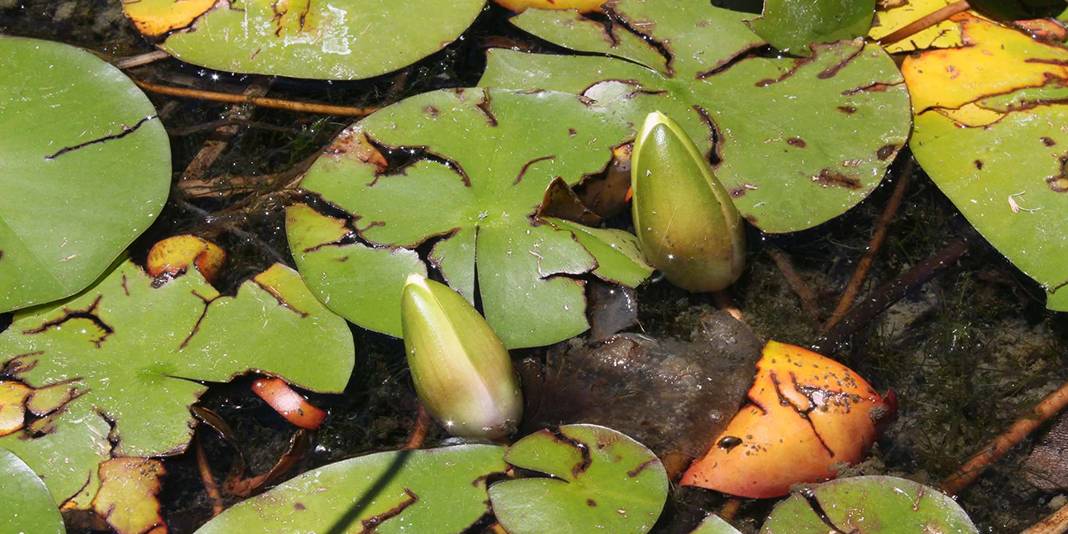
[925, 22]
[419, 432]
[140, 59]
[210, 486]
[1055, 523]
[849, 296]
[796, 283]
[1047, 408]
[893, 291]
[263, 102]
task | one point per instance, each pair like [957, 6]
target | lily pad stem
[264, 102]
[1054, 523]
[210, 486]
[419, 432]
[1047, 408]
[849, 296]
[796, 283]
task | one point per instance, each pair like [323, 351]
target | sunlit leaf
[800, 141]
[436, 490]
[601, 481]
[85, 167]
[869, 504]
[339, 40]
[468, 171]
[116, 369]
[27, 505]
[791, 26]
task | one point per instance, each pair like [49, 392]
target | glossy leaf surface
[791, 26]
[798, 141]
[602, 481]
[468, 170]
[337, 40]
[28, 507]
[998, 106]
[436, 491]
[85, 167]
[116, 369]
[869, 505]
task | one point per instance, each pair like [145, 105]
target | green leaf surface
[791, 26]
[84, 169]
[27, 505]
[868, 505]
[117, 368]
[601, 481]
[426, 491]
[619, 259]
[715, 524]
[468, 170]
[337, 40]
[799, 141]
[1010, 179]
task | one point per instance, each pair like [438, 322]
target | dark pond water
[966, 353]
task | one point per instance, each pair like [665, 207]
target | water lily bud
[461, 370]
[684, 218]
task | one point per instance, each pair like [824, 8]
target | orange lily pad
[174, 255]
[807, 416]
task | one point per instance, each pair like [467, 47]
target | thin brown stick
[849, 296]
[925, 22]
[1055, 523]
[796, 283]
[210, 486]
[217, 144]
[212, 125]
[889, 293]
[419, 432]
[141, 59]
[730, 509]
[723, 301]
[263, 102]
[1047, 408]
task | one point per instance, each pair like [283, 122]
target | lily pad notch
[452, 180]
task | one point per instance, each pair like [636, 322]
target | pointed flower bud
[461, 370]
[684, 218]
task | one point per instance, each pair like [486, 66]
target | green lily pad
[337, 40]
[715, 524]
[436, 490]
[117, 368]
[467, 171]
[797, 141]
[600, 481]
[85, 167]
[791, 26]
[28, 507]
[868, 505]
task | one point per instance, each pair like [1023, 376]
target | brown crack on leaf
[641, 29]
[526, 167]
[485, 105]
[126, 130]
[127, 498]
[372, 523]
[584, 450]
[88, 314]
[817, 508]
[1059, 182]
[203, 313]
[261, 281]
[400, 158]
[832, 178]
[802, 411]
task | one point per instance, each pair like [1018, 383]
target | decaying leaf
[338, 40]
[807, 416]
[127, 495]
[85, 167]
[999, 105]
[464, 182]
[796, 141]
[115, 370]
